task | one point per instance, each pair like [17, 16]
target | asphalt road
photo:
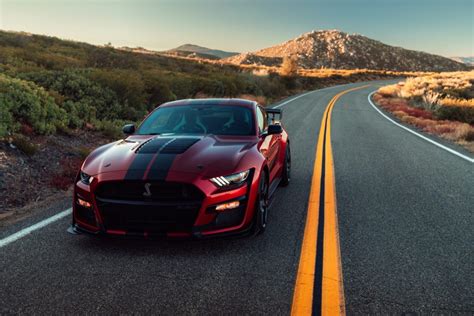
[405, 216]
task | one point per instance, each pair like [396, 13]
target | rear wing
[274, 116]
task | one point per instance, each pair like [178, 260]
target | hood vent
[179, 145]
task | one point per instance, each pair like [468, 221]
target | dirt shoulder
[30, 181]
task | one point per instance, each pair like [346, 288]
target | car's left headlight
[85, 178]
[233, 179]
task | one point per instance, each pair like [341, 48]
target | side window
[262, 119]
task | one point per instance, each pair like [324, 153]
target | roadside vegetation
[52, 85]
[440, 104]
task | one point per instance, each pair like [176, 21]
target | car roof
[211, 101]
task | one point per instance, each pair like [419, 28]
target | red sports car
[193, 168]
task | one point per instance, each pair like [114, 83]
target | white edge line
[417, 134]
[28, 230]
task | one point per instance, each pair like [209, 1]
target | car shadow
[178, 247]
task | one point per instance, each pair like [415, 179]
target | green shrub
[24, 101]
[83, 152]
[111, 129]
[24, 144]
[470, 136]
[7, 123]
[129, 89]
[456, 113]
[96, 101]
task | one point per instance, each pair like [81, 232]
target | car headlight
[233, 179]
[86, 179]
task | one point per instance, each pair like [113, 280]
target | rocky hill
[191, 50]
[339, 50]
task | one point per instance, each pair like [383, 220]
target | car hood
[153, 157]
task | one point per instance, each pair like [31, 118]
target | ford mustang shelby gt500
[193, 168]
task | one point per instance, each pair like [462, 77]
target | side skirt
[272, 189]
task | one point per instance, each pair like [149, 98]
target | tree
[289, 66]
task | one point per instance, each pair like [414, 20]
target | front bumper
[206, 222]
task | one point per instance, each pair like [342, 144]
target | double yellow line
[319, 285]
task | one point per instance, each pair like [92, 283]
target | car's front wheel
[261, 206]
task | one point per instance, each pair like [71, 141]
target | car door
[270, 143]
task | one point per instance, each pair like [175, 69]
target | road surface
[404, 235]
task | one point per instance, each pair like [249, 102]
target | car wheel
[286, 173]
[261, 207]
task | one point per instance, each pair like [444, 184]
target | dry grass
[392, 100]
[457, 102]
[325, 73]
[447, 95]
[261, 70]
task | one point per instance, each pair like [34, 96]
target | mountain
[339, 50]
[190, 50]
[468, 60]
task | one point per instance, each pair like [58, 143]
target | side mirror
[274, 129]
[128, 129]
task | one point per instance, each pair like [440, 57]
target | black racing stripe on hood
[160, 167]
[163, 161]
[144, 156]
[136, 171]
[179, 145]
[153, 146]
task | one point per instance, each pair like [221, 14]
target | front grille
[169, 207]
[148, 218]
[149, 191]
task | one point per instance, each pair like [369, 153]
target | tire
[261, 207]
[286, 173]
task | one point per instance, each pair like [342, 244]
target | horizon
[427, 25]
[214, 48]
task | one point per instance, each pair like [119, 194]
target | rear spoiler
[274, 115]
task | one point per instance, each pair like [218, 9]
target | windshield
[199, 119]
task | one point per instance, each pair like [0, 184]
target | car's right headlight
[233, 179]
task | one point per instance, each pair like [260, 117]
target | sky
[444, 27]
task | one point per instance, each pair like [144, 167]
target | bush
[24, 101]
[7, 123]
[24, 144]
[289, 66]
[86, 98]
[65, 176]
[158, 90]
[456, 113]
[83, 152]
[111, 129]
